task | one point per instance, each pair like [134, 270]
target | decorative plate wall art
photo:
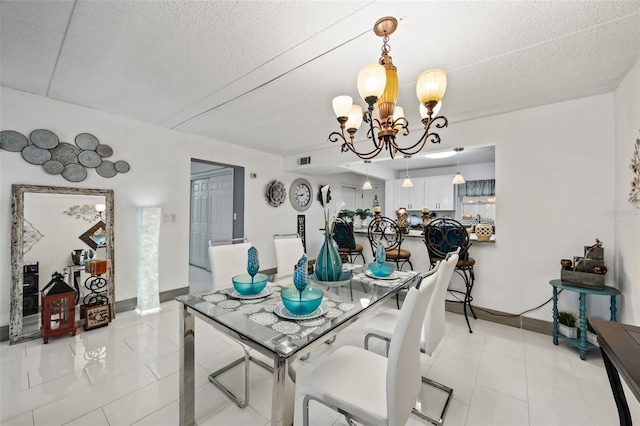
[276, 193]
[44, 148]
[634, 195]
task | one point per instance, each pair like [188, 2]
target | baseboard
[504, 318]
[121, 306]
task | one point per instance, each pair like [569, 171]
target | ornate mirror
[28, 237]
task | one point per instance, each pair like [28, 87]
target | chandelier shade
[342, 105]
[378, 85]
[431, 86]
[372, 80]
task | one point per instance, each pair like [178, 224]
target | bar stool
[386, 231]
[347, 247]
[444, 235]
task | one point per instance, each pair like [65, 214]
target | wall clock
[300, 194]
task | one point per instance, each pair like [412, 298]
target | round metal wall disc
[122, 166]
[35, 155]
[12, 141]
[65, 153]
[53, 167]
[43, 138]
[87, 142]
[74, 173]
[104, 150]
[89, 159]
[106, 169]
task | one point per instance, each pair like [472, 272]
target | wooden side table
[581, 341]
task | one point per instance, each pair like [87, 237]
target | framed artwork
[97, 316]
[302, 231]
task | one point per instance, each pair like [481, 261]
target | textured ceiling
[262, 73]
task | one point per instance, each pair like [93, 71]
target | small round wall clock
[300, 194]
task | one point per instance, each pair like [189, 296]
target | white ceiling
[262, 73]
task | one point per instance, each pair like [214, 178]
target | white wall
[626, 216]
[159, 177]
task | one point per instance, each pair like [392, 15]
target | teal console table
[581, 341]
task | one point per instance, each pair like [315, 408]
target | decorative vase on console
[328, 265]
[77, 257]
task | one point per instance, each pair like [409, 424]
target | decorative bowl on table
[243, 284]
[304, 304]
[383, 270]
[345, 278]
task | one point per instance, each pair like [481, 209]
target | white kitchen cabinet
[438, 193]
[410, 198]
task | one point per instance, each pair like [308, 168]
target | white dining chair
[289, 250]
[228, 259]
[433, 329]
[367, 387]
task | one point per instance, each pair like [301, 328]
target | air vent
[303, 161]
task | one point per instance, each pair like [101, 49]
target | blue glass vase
[328, 264]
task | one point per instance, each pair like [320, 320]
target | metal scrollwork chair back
[347, 247]
[444, 235]
[386, 231]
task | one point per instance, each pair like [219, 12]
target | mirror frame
[17, 229]
[86, 237]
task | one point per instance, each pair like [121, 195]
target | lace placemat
[402, 275]
[221, 298]
[299, 328]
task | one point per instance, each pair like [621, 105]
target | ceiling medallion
[378, 86]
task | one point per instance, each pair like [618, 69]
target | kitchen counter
[418, 234]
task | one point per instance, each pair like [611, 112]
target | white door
[349, 197]
[211, 214]
[221, 196]
[198, 255]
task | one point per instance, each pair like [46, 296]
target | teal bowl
[305, 305]
[385, 270]
[243, 285]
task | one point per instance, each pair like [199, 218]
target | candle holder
[426, 218]
[376, 221]
[402, 221]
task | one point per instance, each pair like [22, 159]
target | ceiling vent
[303, 161]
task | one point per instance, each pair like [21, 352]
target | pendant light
[367, 184]
[458, 179]
[407, 182]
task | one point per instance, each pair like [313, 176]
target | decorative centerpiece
[585, 271]
[381, 268]
[328, 265]
[301, 299]
[252, 282]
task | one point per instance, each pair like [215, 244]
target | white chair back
[403, 371]
[433, 329]
[289, 250]
[227, 261]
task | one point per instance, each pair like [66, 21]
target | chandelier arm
[439, 122]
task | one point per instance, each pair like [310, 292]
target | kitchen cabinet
[438, 193]
[411, 198]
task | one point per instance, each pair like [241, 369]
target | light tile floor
[127, 374]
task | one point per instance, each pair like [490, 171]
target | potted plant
[567, 324]
[363, 215]
[592, 337]
[348, 214]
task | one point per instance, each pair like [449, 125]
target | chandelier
[378, 86]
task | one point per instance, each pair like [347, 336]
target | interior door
[221, 199]
[349, 197]
[199, 228]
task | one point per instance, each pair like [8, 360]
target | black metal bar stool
[442, 236]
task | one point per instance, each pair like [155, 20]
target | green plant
[346, 213]
[567, 318]
[590, 328]
[363, 214]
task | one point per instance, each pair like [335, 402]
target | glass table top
[263, 321]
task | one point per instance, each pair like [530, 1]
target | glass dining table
[263, 326]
